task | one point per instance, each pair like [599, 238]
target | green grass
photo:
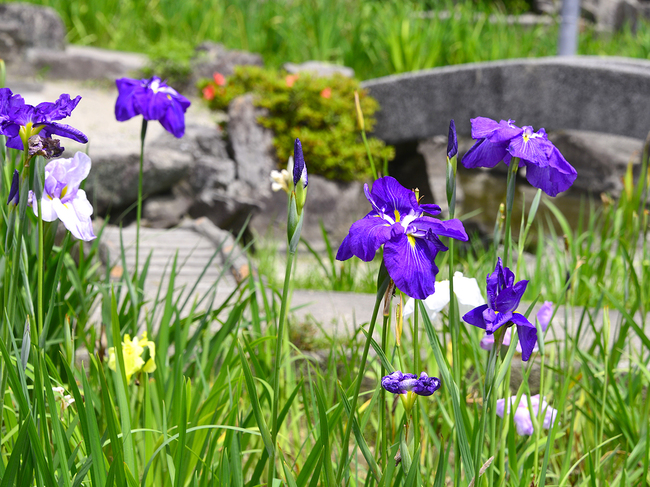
[376, 38]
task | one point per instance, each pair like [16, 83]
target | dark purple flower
[543, 316]
[13, 192]
[504, 296]
[154, 100]
[546, 168]
[452, 141]
[18, 120]
[299, 167]
[399, 383]
[411, 239]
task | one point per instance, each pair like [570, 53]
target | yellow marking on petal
[411, 240]
[526, 137]
[397, 216]
[64, 191]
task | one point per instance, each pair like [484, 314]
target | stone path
[338, 313]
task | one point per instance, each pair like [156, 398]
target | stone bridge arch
[600, 94]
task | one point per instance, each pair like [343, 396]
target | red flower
[291, 79]
[326, 93]
[219, 79]
[208, 92]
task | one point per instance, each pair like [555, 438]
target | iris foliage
[213, 396]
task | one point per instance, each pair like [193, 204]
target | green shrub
[319, 111]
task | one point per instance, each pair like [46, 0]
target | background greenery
[374, 37]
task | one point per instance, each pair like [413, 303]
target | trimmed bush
[320, 111]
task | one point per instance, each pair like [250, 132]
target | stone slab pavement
[338, 313]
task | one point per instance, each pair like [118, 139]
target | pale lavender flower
[62, 197]
[522, 418]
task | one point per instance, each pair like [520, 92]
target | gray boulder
[112, 184]
[600, 159]
[252, 145]
[630, 12]
[24, 26]
[81, 63]
[336, 204]
[165, 211]
[319, 69]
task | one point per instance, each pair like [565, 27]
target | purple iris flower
[411, 239]
[399, 383]
[452, 140]
[154, 100]
[18, 118]
[299, 167]
[504, 296]
[522, 418]
[13, 192]
[546, 168]
[543, 316]
[62, 197]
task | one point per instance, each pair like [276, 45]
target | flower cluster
[154, 100]
[400, 383]
[504, 296]
[546, 168]
[410, 238]
[132, 351]
[20, 121]
[522, 418]
[62, 197]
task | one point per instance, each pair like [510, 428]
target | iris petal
[527, 335]
[475, 317]
[366, 236]
[411, 264]
[449, 228]
[509, 298]
[486, 128]
[390, 195]
[485, 154]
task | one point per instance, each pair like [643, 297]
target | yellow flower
[132, 351]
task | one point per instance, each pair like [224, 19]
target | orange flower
[208, 92]
[291, 79]
[219, 79]
[326, 93]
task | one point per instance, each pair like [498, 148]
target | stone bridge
[600, 94]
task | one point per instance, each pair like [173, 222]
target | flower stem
[39, 326]
[383, 457]
[278, 362]
[143, 134]
[510, 198]
[382, 286]
[370, 158]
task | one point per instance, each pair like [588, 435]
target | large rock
[112, 185]
[81, 63]
[600, 159]
[630, 12]
[336, 204]
[213, 58]
[319, 69]
[24, 26]
[252, 145]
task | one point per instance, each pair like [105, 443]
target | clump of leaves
[319, 111]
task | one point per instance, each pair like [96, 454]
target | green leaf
[466, 454]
